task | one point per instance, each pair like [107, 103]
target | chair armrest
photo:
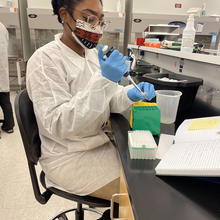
[42, 198]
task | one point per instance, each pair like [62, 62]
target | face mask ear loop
[69, 27]
[68, 23]
[72, 17]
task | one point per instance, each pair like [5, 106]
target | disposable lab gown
[4, 74]
[72, 102]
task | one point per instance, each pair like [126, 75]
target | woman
[74, 89]
[5, 103]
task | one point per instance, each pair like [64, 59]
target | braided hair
[68, 4]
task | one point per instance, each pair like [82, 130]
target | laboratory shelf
[191, 64]
[161, 33]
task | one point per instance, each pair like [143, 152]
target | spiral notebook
[196, 151]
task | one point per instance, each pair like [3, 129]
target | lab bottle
[203, 12]
[189, 34]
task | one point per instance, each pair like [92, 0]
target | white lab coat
[72, 101]
[4, 73]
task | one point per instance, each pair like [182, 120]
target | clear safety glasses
[94, 20]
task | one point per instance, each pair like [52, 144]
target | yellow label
[137, 104]
[199, 124]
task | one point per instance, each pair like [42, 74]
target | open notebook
[196, 151]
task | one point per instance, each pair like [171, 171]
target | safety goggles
[93, 20]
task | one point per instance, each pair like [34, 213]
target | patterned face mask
[86, 34]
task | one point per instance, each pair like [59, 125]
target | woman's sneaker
[9, 131]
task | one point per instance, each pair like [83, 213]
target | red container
[140, 41]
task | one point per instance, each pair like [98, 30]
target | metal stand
[128, 24]
[79, 215]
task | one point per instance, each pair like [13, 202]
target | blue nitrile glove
[113, 67]
[135, 96]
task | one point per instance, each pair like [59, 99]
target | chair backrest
[30, 136]
[28, 126]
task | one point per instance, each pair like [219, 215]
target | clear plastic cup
[168, 102]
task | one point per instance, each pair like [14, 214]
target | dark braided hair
[68, 4]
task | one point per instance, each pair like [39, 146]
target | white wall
[3, 3]
[109, 5]
[165, 6]
[168, 6]
[213, 7]
[141, 8]
[44, 4]
[146, 6]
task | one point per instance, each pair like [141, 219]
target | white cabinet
[9, 16]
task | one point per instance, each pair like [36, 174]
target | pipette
[132, 58]
[136, 86]
[132, 66]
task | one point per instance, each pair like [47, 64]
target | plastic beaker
[168, 102]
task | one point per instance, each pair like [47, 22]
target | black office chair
[32, 144]
[1, 121]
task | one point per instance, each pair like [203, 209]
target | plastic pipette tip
[105, 48]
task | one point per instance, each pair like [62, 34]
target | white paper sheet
[164, 145]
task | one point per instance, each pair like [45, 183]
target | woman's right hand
[147, 88]
[113, 67]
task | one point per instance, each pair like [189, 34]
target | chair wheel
[62, 217]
